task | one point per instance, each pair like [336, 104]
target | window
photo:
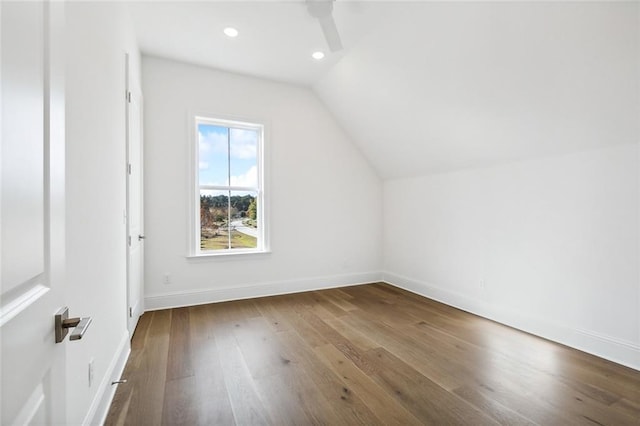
[229, 193]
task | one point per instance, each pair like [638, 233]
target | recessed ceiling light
[231, 32]
[317, 55]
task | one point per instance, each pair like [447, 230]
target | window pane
[229, 157]
[213, 148]
[214, 220]
[244, 219]
[243, 158]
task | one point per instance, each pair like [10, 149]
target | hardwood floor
[370, 354]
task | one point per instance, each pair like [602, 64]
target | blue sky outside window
[228, 156]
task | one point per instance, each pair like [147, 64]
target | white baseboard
[607, 347]
[200, 297]
[100, 405]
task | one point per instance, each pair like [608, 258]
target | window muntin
[229, 194]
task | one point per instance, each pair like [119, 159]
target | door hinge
[129, 240]
[129, 97]
[130, 312]
[129, 168]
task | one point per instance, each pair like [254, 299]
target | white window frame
[194, 223]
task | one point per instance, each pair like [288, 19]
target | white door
[32, 213]
[135, 228]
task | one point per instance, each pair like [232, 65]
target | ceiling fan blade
[322, 11]
[331, 33]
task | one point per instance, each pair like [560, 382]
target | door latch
[63, 323]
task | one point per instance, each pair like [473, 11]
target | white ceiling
[276, 39]
[432, 87]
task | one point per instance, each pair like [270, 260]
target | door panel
[135, 249]
[22, 154]
[32, 260]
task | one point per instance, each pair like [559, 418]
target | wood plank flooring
[370, 354]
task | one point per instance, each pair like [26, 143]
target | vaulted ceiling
[424, 87]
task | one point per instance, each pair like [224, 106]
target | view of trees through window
[229, 186]
[228, 221]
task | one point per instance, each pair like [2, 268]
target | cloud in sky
[244, 144]
[203, 165]
[214, 142]
[250, 178]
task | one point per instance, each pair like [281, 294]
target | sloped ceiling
[447, 86]
[426, 87]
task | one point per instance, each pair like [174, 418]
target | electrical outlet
[90, 376]
[166, 279]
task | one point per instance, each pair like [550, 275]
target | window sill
[228, 255]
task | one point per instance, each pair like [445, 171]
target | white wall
[325, 213]
[98, 35]
[554, 240]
